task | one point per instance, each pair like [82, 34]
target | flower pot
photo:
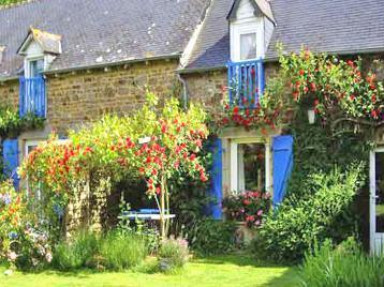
[165, 264]
[244, 234]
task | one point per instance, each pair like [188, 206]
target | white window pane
[251, 167]
[36, 67]
[248, 46]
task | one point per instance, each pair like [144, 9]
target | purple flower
[12, 235]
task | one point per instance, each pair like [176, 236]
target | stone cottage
[71, 61]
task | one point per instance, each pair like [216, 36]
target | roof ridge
[16, 4]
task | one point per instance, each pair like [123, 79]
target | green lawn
[228, 271]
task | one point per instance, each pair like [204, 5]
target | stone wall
[207, 88]
[74, 99]
[9, 93]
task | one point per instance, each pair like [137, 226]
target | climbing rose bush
[152, 143]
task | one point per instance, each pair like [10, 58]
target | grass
[225, 271]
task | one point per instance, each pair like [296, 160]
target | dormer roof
[49, 43]
[261, 8]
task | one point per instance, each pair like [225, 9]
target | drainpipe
[185, 91]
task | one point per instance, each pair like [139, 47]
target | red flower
[236, 110]
[375, 114]
[350, 63]
[352, 97]
[203, 177]
[373, 98]
[154, 171]
[192, 157]
[163, 128]
[302, 72]
[246, 202]
[158, 190]
[250, 218]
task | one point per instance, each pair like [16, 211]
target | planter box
[244, 234]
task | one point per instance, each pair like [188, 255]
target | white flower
[48, 257]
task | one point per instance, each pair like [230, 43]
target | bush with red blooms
[248, 207]
[153, 144]
[326, 84]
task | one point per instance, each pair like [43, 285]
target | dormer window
[39, 50]
[34, 67]
[251, 26]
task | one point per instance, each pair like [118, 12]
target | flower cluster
[250, 117]
[319, 82]
[248, 207]
[324, 83]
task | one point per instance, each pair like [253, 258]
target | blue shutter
[11, 160]
[215, 208]
[282, 165]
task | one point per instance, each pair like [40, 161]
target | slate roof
[333, 26]
[96, 32]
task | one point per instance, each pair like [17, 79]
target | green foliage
[11, 125]
[173, 254]
[78, 252]
[190, 198]
[8, 2]
[211, 236]
[115, 250]
[122, 250]
[345, 266]
[322, 211]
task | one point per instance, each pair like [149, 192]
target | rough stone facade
[9, 93]
[74, 99]
[207, 88]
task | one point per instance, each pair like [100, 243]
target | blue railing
[32, 96]
[245, 82]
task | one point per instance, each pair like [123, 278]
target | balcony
[245, 83]
[32, 96]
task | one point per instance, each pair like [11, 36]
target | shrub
[78, 252]
[344, 266]
[211, 236]
[115, 250]
[122, 250]
[173, 254]
[298, 224]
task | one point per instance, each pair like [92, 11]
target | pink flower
[257, 222]
[12, 256]
[260, 212]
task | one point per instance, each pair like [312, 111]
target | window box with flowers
[248, 209]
